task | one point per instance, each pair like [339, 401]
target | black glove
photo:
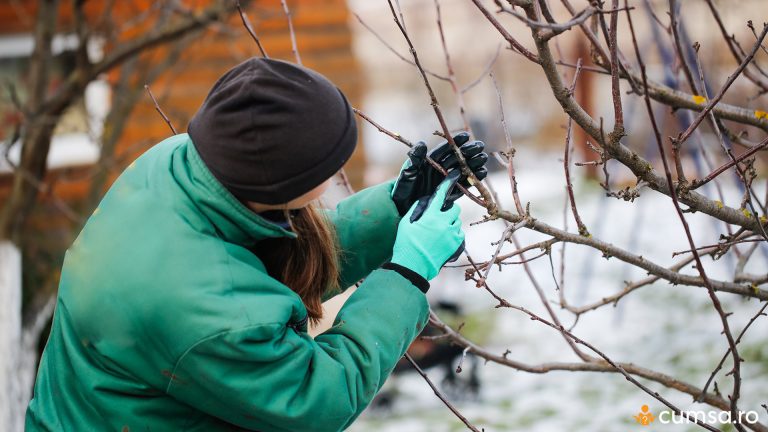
[418, 178]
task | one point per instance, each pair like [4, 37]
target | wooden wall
[324, 42]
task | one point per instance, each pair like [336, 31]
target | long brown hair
[307, 264]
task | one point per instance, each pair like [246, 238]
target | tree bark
[11, 417]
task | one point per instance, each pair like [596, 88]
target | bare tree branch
[598, 366]
[288, 15]
[48, 110]
[734, 397]
[439, 394]
[249, 29]
[159, 110]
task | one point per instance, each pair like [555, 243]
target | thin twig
[510, 149]
[711, 176]
[673, 13]
[249, 28]
[159, 110]
[639, 166]
[730, 40]
[504, 237]
[711, 104]
[628, 288]
[439, 394]
[615, 79]
[554, 28]
[759, 313]
[502, 301]
[517, 46]
[486, 71]
[394, 136]
[566, 162]
[546, 244]
[393, 50]
[398, 137]
[489, 204]
[699, 265]
[626, 369]
[721, 246]
[543, 298]
[294, 46]
[451, 74]
[748, 191]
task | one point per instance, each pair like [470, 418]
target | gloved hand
[430, 234]
[418, 178]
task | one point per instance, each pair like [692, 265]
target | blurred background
[105, 118]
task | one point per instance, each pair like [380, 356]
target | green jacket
[165, 321]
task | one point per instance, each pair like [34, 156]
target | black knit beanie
[271, 131]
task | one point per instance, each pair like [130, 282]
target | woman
[183, 303]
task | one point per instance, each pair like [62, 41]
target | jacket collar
[233, 221]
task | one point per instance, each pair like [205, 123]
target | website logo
[644, 417]
[712, 417]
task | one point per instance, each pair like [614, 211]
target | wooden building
[116, 120]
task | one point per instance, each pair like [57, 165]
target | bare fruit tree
[600, 25]
[132, 60]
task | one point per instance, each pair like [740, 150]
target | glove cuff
[415, 278]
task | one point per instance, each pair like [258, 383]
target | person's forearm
[366, 225]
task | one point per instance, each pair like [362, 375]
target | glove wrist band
[416, 279]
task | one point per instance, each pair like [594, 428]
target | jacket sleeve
[366, 226]
[269, 377]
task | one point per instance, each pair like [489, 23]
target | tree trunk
[11, 412]
[18, 342]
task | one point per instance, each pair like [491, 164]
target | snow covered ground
[671, 329]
